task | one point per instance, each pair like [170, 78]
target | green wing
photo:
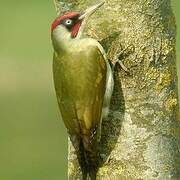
[80, 80]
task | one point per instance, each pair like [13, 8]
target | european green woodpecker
[84, 83]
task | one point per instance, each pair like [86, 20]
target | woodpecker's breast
[80, 67]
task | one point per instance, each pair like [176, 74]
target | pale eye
[68, 21]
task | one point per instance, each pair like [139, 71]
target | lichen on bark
[141, 136]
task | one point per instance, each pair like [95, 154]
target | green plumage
[80, 83]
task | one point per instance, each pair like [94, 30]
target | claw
[121, 56]
[122, 65]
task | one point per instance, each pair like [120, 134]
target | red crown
[58, 20]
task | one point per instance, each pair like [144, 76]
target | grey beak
[89, 11]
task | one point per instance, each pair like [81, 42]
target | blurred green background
[33, 141]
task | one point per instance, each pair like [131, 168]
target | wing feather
[80, 83]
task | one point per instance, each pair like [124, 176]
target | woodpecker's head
[70, 26]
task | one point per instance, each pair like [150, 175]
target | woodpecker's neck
[62, 39]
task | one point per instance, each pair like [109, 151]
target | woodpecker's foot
[113, 64]
[122, 65]
[123, 54]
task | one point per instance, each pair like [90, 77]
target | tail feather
[82, 161]
[91, 162]
[87, 155]
[79, 149]
[91, 156]
[88, 163]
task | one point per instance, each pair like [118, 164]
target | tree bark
[141, 136]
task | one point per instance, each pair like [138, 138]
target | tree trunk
[141, 136]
